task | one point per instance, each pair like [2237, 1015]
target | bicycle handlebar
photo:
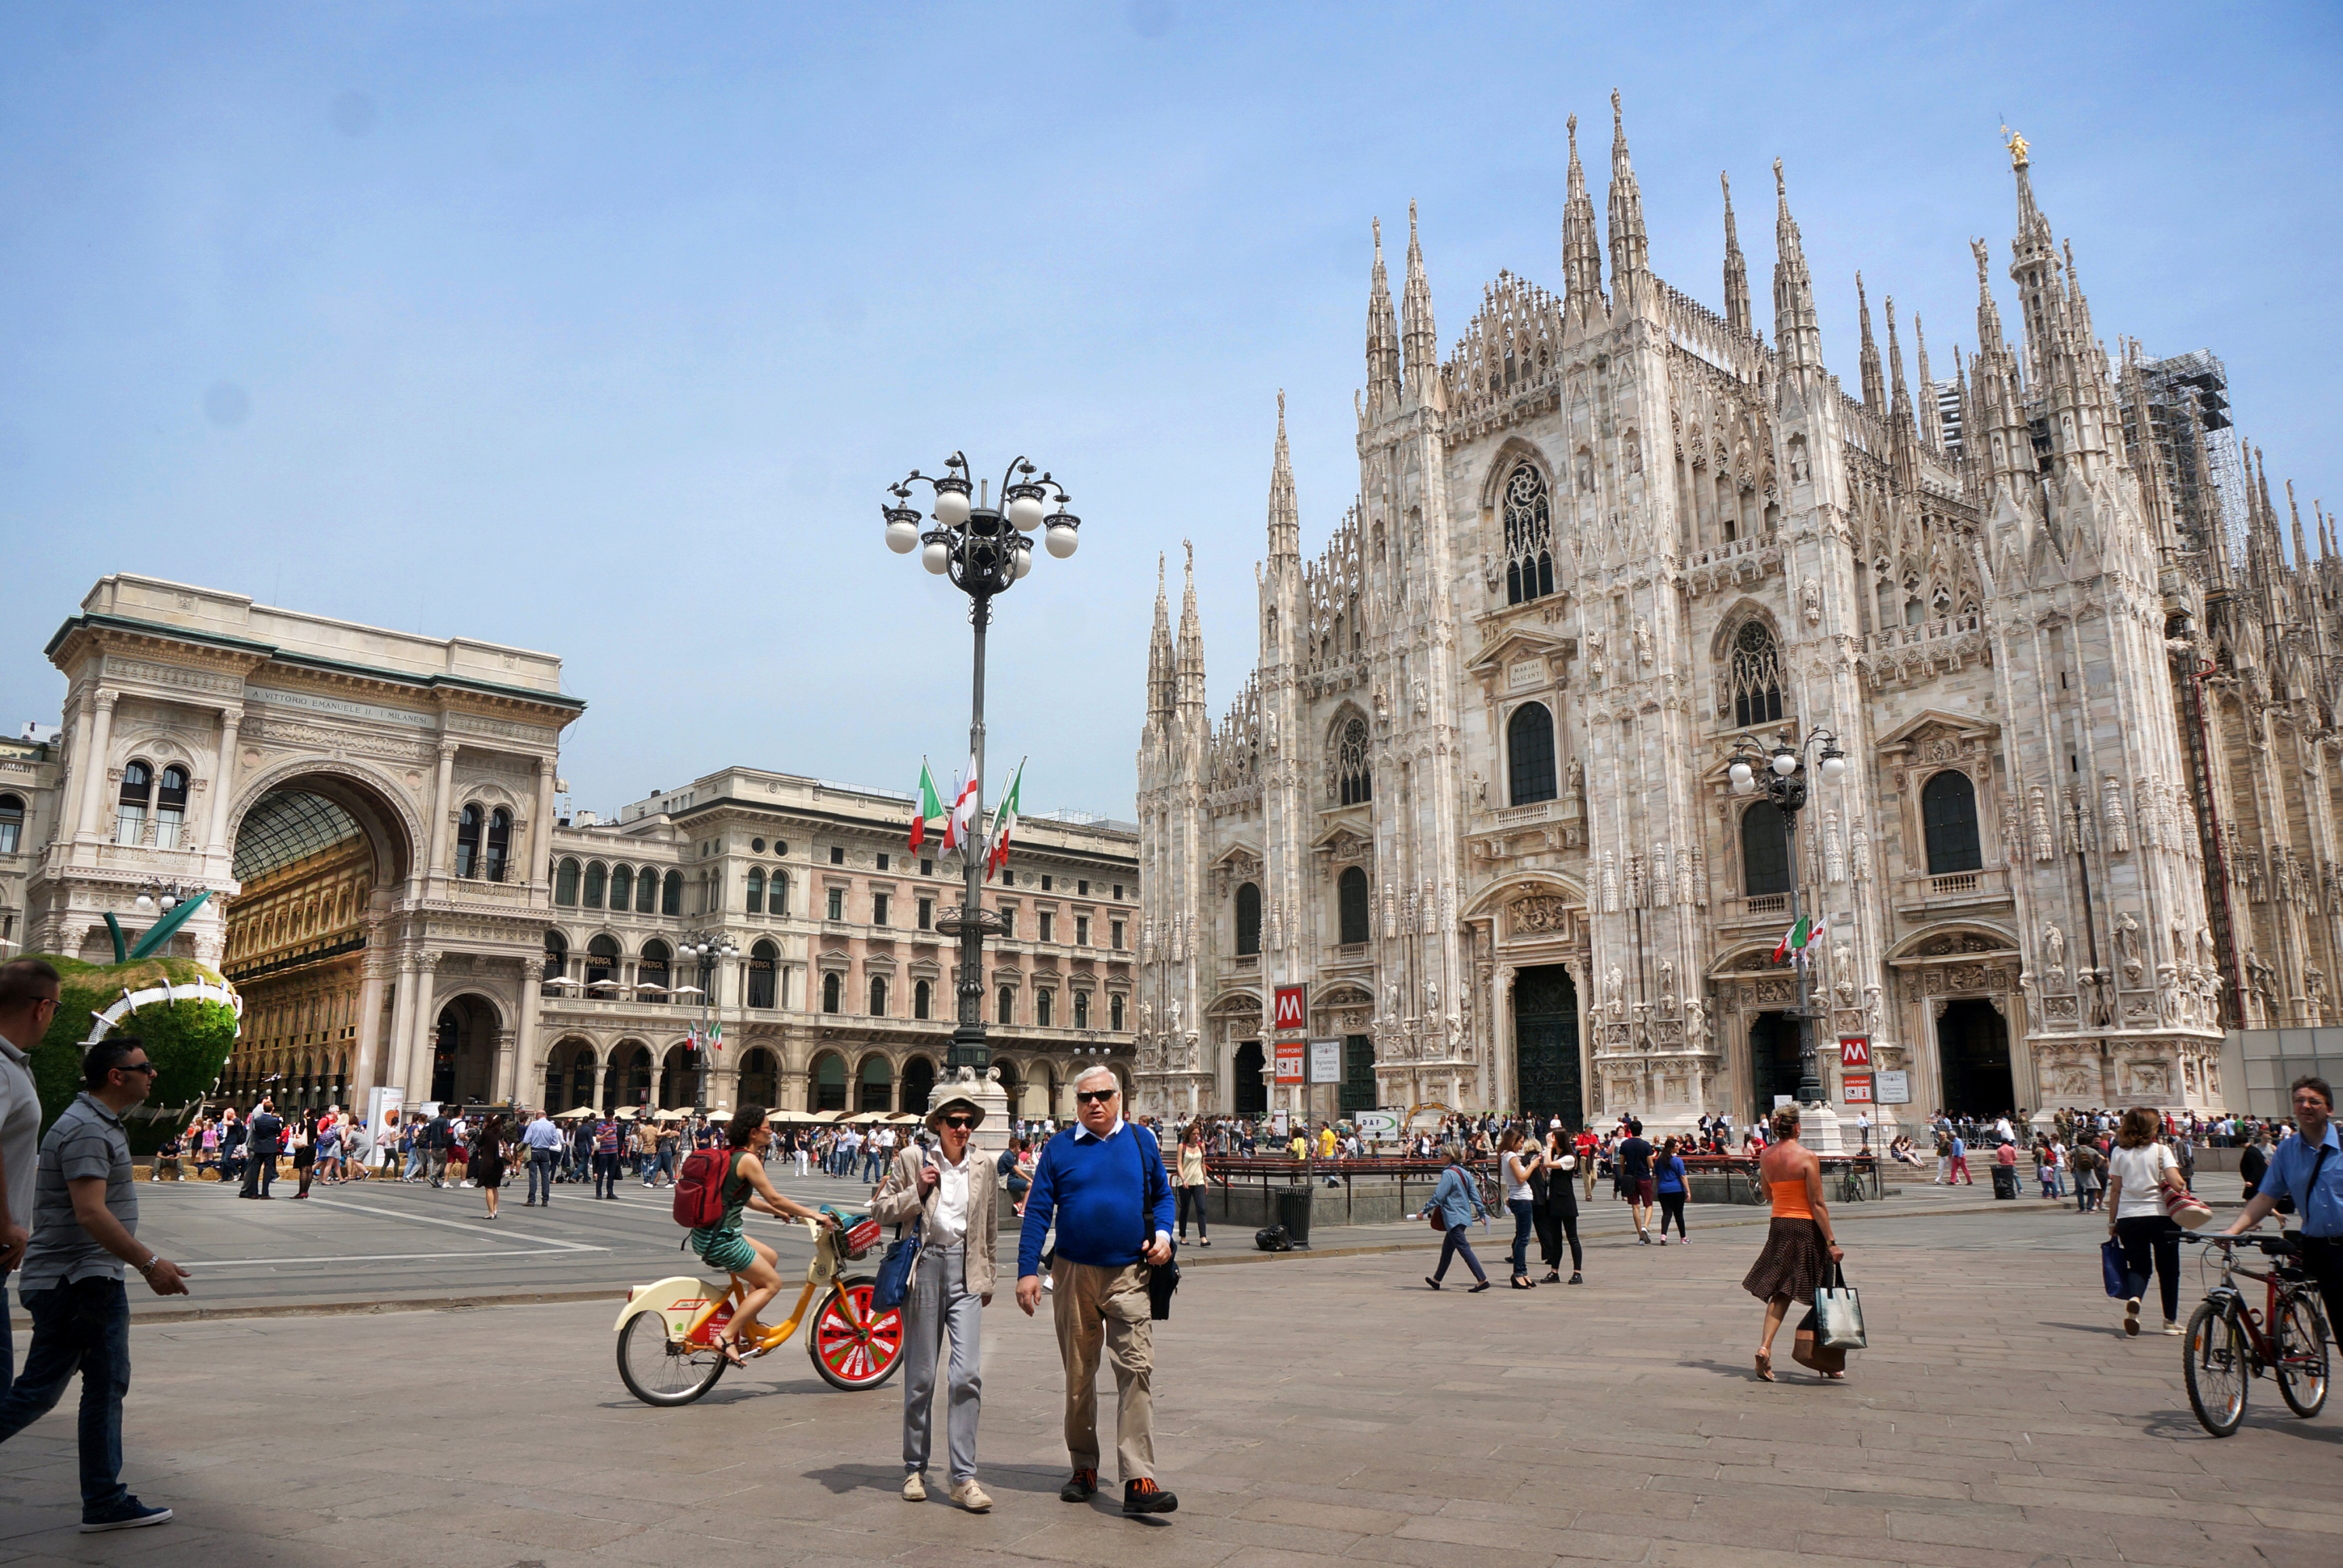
[2276, 1246]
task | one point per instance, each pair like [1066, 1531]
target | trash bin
[2005, 1181]
[1293, 1212]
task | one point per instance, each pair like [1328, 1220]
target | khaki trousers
[1094, 1306]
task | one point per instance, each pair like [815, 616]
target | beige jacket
[897, 1203]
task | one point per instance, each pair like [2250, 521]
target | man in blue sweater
[1105, 1185]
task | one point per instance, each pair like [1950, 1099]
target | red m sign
[1290, 1011]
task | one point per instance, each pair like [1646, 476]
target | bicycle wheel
[2301, 1341]
[2217, 1361]
[854, 1346]
[660, 1370]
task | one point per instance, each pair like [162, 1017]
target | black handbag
[1163, 1279]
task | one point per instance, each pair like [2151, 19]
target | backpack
[700, 1188]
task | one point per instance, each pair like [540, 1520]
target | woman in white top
[2139, 1170]
[1518, 1159]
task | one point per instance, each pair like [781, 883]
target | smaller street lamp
[706, 948]
[1780, 776]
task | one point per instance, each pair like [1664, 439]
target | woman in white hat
[952, 1192]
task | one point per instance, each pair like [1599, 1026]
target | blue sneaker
[129, 1514]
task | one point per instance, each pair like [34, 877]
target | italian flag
[928, 806]
[1793, 940]
[961, 823]
[1004, 824]
[714, 1038]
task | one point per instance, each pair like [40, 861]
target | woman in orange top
[1800, 1246]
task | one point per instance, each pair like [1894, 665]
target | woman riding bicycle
[724, 1245]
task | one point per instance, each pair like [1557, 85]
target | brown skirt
[1795, 1260]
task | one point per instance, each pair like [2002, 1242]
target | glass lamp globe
[169, 901]
[1833, 767]
[1025, 512]
[903, 536]
[936, 557]
[951, 507]
[1786, 762]
[1020, 562]
[1062, 539]
[1741, 776]
[146, 901]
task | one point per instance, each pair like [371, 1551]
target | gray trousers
[940, 1304]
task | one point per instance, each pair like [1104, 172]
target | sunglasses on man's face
[137, 1067]
[959, 1123]
[1095, 1096]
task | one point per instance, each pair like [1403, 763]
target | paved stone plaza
[1310, 1411]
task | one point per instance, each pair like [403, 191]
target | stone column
[501, 1085]
[69, 807]
[540, 828]
[215, 830]
[415, 1075]
[532, 975]
[376, 974]
[93, 765]
[440, 805]
[402, 1021]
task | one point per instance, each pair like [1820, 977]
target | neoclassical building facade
[1474, 796]
[389, 884]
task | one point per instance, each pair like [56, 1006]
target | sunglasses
[135, 1066]
[1095, 1096]
[959, 1123]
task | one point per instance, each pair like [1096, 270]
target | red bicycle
[2228, 1344]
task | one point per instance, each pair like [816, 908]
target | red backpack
[700, 1187]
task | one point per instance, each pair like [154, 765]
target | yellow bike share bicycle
[668, 1352]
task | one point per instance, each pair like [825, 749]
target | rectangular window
[1118, 898]
[1009, 924]
[927, 914]
[882, 859]
[927, 868]
[1045, 883]
[1082, 889]
[1049, 924]
[838, 903]
[1114, 933]
[1082, 930]
[1008, 878]
[837, 854]
[878, 909]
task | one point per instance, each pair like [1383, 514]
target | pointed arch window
[565, 883]
[1353, 783]
[1948, 820]
[130, 812]
[1351, 905]
[1753, 676]
[1248, 919]
[499, 846]
[170, 806]
[756, 890]
[1529, 754]
[1529, 536]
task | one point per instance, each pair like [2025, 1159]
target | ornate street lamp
[984, 549]
[1780, 776]
[705, 948]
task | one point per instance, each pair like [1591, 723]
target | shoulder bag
[893, 1283]
[1163, 1278]
[2183, 1208]
[1839, 1315]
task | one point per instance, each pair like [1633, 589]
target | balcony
[1923, 895]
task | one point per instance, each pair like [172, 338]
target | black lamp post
[1780, 776]
[984, 549]
[708, 948]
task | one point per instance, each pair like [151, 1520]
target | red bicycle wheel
[852, 1345]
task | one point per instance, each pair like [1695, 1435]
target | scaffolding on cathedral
[2188, 404]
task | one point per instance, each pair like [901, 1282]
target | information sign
[1325, 1062]
[1291, 1014]
[1855, 1051]
[1894, 1088]
[1856, 1088]
[1290, 1056]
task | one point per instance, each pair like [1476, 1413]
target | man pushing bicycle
[2308, 1169]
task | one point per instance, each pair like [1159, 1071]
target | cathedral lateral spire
[1159, 653]
[1736, 268]
[1416, 331]
[1192, 646]
[1796, 334]
[1285, 513]
[1382, 332]
[1583, 306]
[1874, 395]
[1631, 247]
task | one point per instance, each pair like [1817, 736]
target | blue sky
[599, 329]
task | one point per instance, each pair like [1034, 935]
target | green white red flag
[929, 807]
[1793, 940]
[1004, 824]
[967, 805]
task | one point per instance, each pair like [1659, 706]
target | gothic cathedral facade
[1474, 796]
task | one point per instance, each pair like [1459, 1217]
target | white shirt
[2139, 1170]
[20, 1129]
[952, 1203]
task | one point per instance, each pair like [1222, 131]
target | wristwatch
[148, 1266]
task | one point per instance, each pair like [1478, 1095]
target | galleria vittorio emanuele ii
[1477, 796]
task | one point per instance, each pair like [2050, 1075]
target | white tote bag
[1838, 1315]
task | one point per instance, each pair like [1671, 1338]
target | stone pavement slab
[1309, 1411]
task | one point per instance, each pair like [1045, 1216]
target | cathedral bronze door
[1545, 1045]
[1973, 1044]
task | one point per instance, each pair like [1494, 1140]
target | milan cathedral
[1474, 796]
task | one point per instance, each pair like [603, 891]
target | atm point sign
[1290, 1012]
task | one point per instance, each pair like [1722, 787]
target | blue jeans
[1523, 1209]
[540, 1175]
[82, 1327]
[1454, 1244]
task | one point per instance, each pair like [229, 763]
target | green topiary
[189, 1039]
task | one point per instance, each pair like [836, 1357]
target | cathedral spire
[1796, 335]
[1382, 332]
[1159, 653]
[1931, 429]
[1416, 331]
[2302, 549]
[1284, 515]
[1192, 646]
[1875, 393]
[1631, 247]
[1901, 435]
[1736, 268]
[1583, 306]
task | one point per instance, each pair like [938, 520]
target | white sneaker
[915, 1490]
[2173, 1329]
[971, 1496]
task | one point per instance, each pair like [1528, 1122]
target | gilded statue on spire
[2016, 145]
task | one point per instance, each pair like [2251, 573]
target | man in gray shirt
[85, 1228]
[544, 1141]
[28, 1000]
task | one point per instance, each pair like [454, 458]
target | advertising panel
[1291, 1057]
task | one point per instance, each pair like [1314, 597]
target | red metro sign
[1289, 1013]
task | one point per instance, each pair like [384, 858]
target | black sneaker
[1144, 1496]
[1080, 1487]
[128, 1514]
